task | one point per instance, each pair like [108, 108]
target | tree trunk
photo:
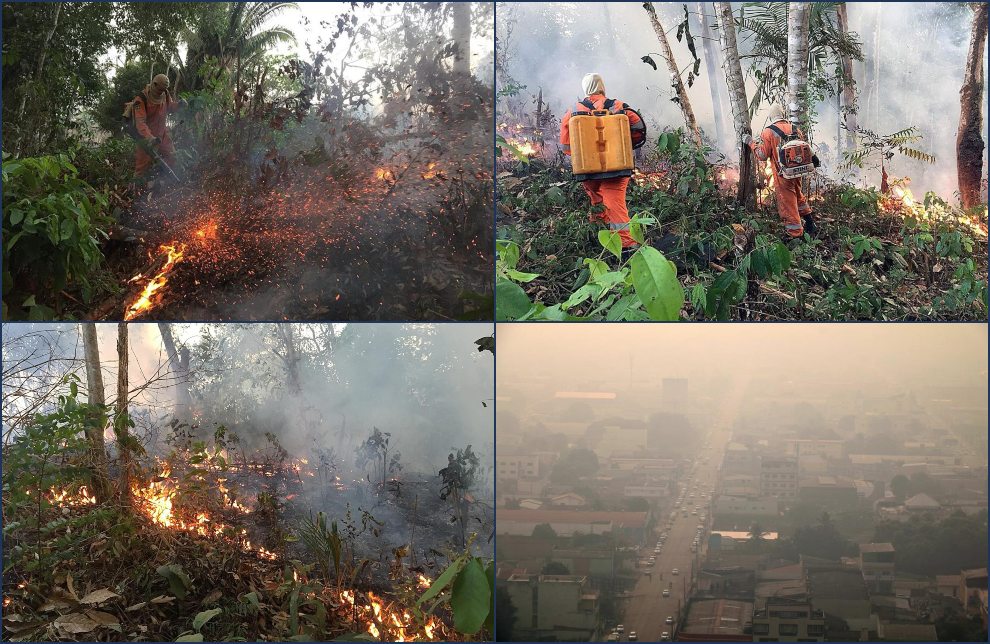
[462, 38]
[121, 420]
[38, 70]
[737, 97]
[675, 75]
[713, 78]
[178, 364]
[290, 357]
[969, 140]
[798, 19]
[848, 101]
[95, 396]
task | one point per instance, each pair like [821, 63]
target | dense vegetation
[296, 162]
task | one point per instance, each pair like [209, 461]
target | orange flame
[431, 171]
[143, 302]
[384, 174]
[67, 499]
[399, 625]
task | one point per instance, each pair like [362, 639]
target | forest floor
[875, 257]
[391, 241]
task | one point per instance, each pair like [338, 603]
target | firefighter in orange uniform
[611, 192]
[151, 109]
[792, 206]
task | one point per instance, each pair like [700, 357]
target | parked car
[620, 629]
[632, 636]
[676, 572]
[669, 620]
[666, 592]
[665, 636]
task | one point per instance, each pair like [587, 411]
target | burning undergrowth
[395, 240]
[277, 545]
[879, 254]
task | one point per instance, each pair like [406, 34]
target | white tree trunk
[969, 139]
[121, 420]
[798, 20]
[462, 38]
[96, 396]
[675, 75]
[178, 363]
[710, 66]
[737, 94]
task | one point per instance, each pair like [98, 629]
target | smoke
[917, 49]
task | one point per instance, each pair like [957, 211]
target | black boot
[809, 225]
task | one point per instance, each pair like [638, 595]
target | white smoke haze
[918, 49]
[426, 385]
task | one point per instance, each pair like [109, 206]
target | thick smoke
[919, 50]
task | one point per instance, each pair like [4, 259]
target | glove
[747, 139]
[816, 161]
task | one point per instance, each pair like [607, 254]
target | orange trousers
[144, 162]
[612, 194]
[791, 204]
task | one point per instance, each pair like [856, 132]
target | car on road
[666, 592]
[669, 620]
[632, 636]
[665, 636]
[620, 629]
[676, 572]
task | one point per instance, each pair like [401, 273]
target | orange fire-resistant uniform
[150, 120]
[609, 192]
[791, 202]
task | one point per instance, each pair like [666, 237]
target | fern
[324, 545]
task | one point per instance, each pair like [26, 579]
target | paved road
[646, 610]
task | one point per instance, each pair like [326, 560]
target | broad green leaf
[520, 276]
[192, 637]
[511, 300]
[508, 252]
[178, 581]
[655, 281]
[580, 295]
[202, 618]
[441, 582]
[596, 266]
[611, 242]
[621, 308]
[470, 598]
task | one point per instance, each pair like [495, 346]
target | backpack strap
[609, 103]
[587, 103]
[780, 133]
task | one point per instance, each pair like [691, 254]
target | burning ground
[389, 233]
[881, 254]
[205, 530]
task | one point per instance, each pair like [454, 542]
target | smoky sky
[919, 50]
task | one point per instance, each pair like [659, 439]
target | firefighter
[792, 205]
[151, 109]
[611, 193]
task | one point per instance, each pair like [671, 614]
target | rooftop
[620, 519]
[876, 547]
[718, 617]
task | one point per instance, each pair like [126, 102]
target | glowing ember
[384, 174]
[398, 625]
[207, 231]
[67, 499]
[143, 302]
[423, 582]
[523, 146]
[648, 179]
[431, 171]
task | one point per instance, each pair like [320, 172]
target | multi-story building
[561, 608]
[779, 476]
[788, 620]
[876, 561]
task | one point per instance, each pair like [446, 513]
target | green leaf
[621, 309]
[178, 581]
[520, 276]
[192, 637]
[470, 598]
[582, 294]
[596, 267]
[205, 616]
[441, 582]
[655, 280]
[511, 300]
[508, 252]
[611, 242]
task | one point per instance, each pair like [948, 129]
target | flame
[769, 182]
[384, 174]
[648, 179]
[431, 171]
[523, 146]
[424, 582]
[67, 499]
[143, 302]
[399, 625]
